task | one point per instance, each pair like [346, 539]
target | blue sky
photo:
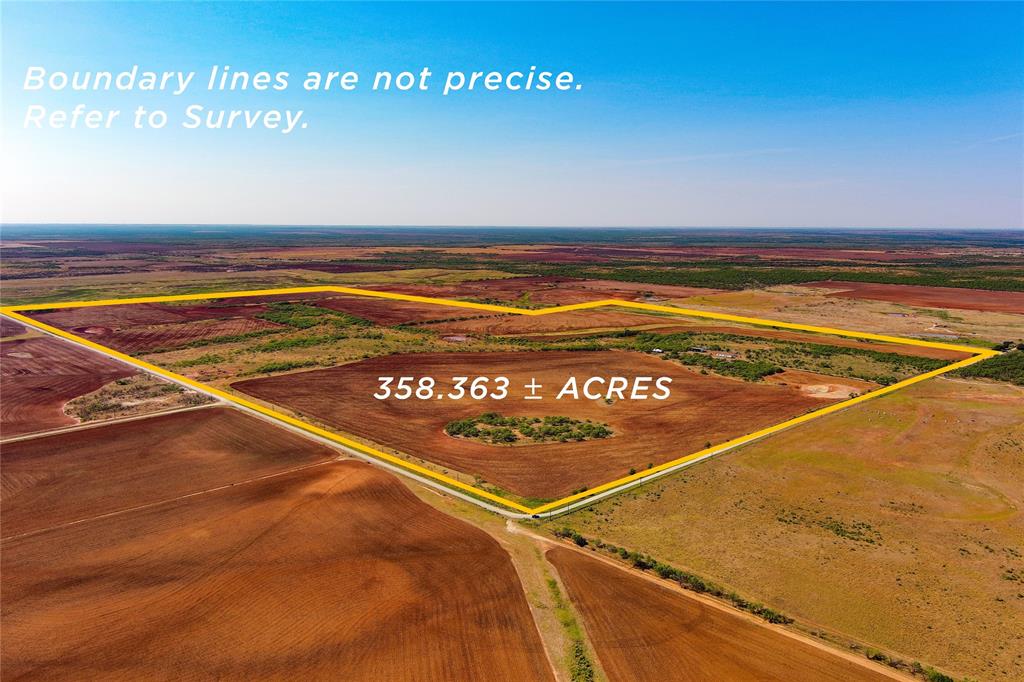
[802, 114]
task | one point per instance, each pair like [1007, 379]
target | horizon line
[516, 227]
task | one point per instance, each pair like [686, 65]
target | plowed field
[550, 290]
[646, 631]
[334, 572]
[143, 338]
[10, 328]
[39, 375]
[390, 312]
[66, 477]
[928, 297]
[701, 409]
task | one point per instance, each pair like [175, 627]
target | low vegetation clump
[207, 359]
[685, 579]
[282, 366]
[855, 531]
[495, 429]
[138, 394]
[1006, 367]
[302, 316]
[275, 345]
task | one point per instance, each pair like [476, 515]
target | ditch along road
[572, 503]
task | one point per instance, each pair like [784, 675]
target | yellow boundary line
[976, 355]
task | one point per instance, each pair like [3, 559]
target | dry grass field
[702, 409]
[897, 522]
[643, 630]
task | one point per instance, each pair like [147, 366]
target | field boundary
[558, 506]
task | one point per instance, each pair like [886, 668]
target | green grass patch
[581, 669]
[208, 359]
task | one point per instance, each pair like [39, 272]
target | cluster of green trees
[744, 369]
[492, 427]
[1006, 367]
[687, 580]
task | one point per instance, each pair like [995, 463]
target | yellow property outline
[976, 355]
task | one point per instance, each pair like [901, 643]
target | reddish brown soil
[389, 312]
[39, 375]
[65, 477]
[113, 316]
[10, 328]
[167, 336]
[148, 326]
[645, 631]
[929, 297]
[550, 290]
[333, 572]
[125, 317]
[702, 408]
[571, 321]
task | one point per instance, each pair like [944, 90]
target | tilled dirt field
[929, 297]
[333, 572]
[550, 290]
[10, 328]
[39, 375]
[572, 321]
[143, 338]
[702, 409]
[645, 631]
[66, 477]
[389, 312]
